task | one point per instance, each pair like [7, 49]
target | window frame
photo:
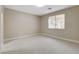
[55, 22]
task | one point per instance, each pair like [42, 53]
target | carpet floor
[40, 45]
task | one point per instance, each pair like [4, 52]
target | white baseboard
[27, 36]
[70, 40]
[19, 37]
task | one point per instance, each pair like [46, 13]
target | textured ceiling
[38, 10]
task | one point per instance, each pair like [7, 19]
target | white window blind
[56, 22]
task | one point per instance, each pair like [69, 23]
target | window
[56, 22]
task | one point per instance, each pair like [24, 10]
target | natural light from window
[56, 21]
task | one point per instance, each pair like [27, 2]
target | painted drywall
[20, 24]
[71, 30]
[1, 26]
[0, 22]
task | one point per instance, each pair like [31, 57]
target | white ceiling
[37, 10]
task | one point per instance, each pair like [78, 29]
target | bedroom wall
[19, 24]
[71, 30]
[0, 22]
[1, 26]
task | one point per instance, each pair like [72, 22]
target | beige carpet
[40, 45]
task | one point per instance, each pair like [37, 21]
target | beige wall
[1, 26]
[71, 30]
[19, 23]
[0, 22]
